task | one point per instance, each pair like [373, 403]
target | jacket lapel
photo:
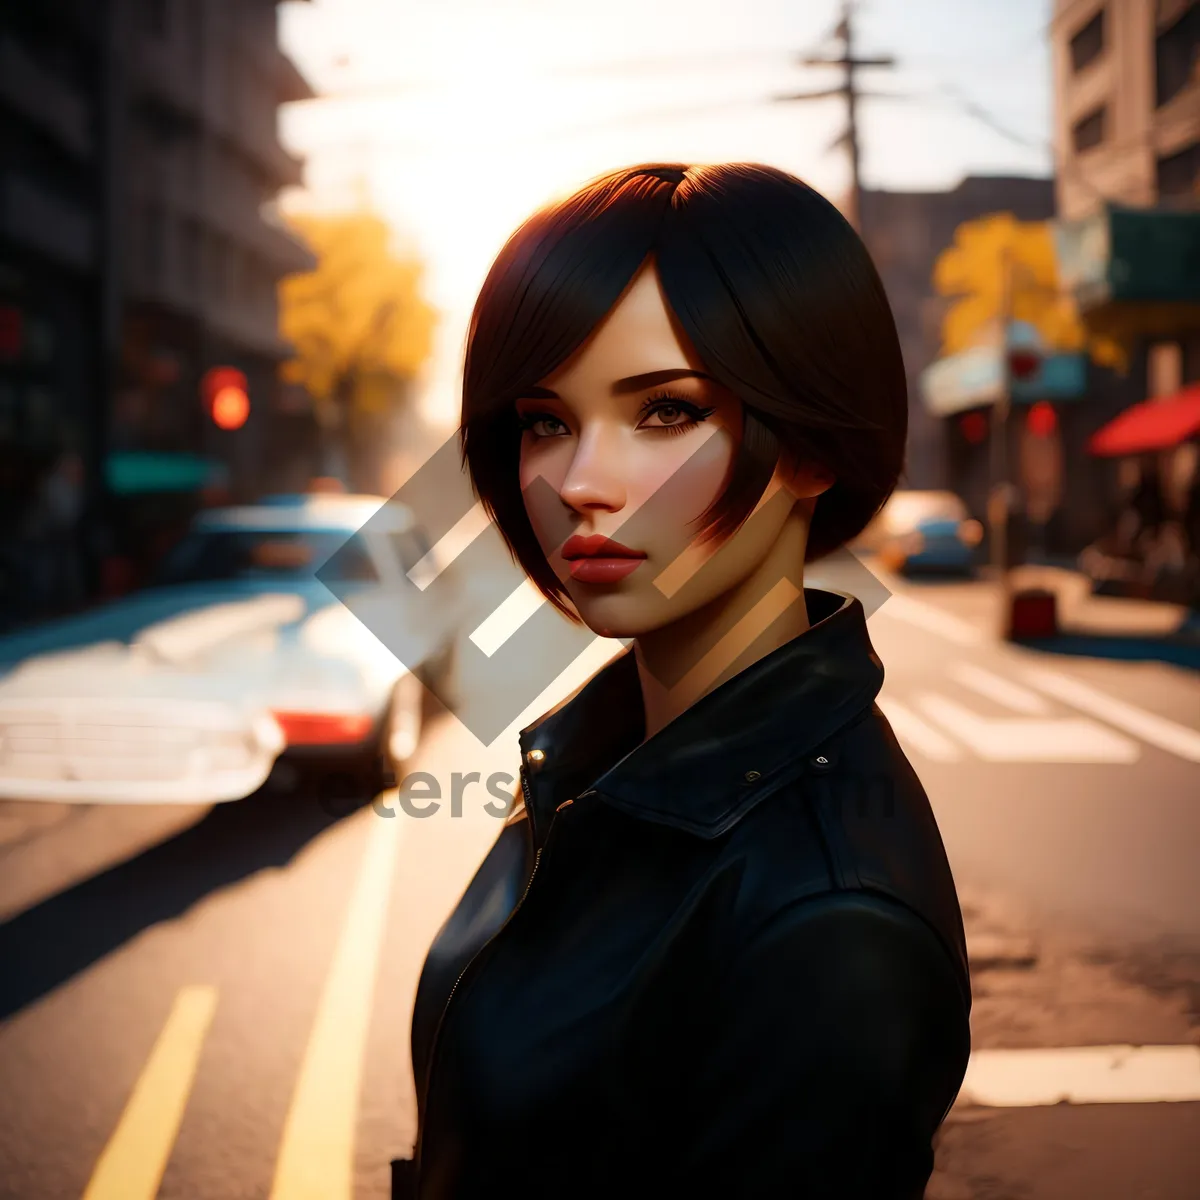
[734, 746]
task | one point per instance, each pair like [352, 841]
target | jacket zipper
[537, 858]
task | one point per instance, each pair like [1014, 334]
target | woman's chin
[615, 617]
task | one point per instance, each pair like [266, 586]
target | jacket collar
[741, 741]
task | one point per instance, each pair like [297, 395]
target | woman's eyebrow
[632, 383]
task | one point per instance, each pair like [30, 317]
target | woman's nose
[596, 475]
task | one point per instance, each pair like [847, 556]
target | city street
[227, 990]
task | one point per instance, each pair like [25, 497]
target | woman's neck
[683, 661]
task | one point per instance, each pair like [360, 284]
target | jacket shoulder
[883, 835]
[858, 821]
[858, 1006]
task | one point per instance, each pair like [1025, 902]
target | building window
[1178, 175]
[1177, 56]
[1088, 43]
[1089, 131]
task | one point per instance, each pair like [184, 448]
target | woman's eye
[670, 414]
[675, 415]
[542, 424]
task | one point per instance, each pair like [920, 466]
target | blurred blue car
[924, 533]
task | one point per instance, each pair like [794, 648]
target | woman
[718, 949]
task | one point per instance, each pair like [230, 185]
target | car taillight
[323, 729]
[970, 533]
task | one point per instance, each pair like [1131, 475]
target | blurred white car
[189, 691]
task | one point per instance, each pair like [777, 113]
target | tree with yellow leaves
[971, 269]
[359, 324]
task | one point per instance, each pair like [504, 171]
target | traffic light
[223, 390]
[1042, 420]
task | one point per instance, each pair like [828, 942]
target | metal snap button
[535, 758]
[751, 776]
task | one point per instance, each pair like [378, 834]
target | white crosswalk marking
[996, 687]
[1158, 731]
[1082, 1075]
[1026, 739]
[918, 734]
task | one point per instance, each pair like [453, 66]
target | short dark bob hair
[777, 294]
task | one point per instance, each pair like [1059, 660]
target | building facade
[54, 303]
[905, 232]
[1127, 103]
[139, 161]
[201, 252]
[1127, 134]
[1127, 131]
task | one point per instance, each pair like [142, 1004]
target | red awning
[1151, 425]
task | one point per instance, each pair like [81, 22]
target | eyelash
[660, 400]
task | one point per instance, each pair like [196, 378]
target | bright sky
[481, 110]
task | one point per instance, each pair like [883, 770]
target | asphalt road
[214, 1003]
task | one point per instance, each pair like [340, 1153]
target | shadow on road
[53, 941]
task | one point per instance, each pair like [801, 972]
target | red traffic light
[1042, 420]
[225, 396]
[230, 408]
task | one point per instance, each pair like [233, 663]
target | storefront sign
[1148, 255]
[974, 378]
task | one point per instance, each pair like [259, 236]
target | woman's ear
[805, 481]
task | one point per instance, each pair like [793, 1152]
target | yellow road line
[132, 1164]
[316, 1155]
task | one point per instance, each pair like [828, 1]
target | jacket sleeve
[836, 1043]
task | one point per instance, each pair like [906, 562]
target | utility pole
[1000, 503]
[849, 89]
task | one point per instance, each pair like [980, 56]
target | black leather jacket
[727, 961]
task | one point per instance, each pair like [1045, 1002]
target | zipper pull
[581, 796]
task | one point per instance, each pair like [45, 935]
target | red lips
[597, 546]
[597, 559]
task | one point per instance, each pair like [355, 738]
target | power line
[1063, 164]
[981, 114]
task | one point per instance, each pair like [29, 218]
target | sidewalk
[1111, 626]
[1040, 987]
[1091, 626]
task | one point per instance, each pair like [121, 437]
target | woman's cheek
[678, 481]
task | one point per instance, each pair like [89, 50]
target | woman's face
[630, 440]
